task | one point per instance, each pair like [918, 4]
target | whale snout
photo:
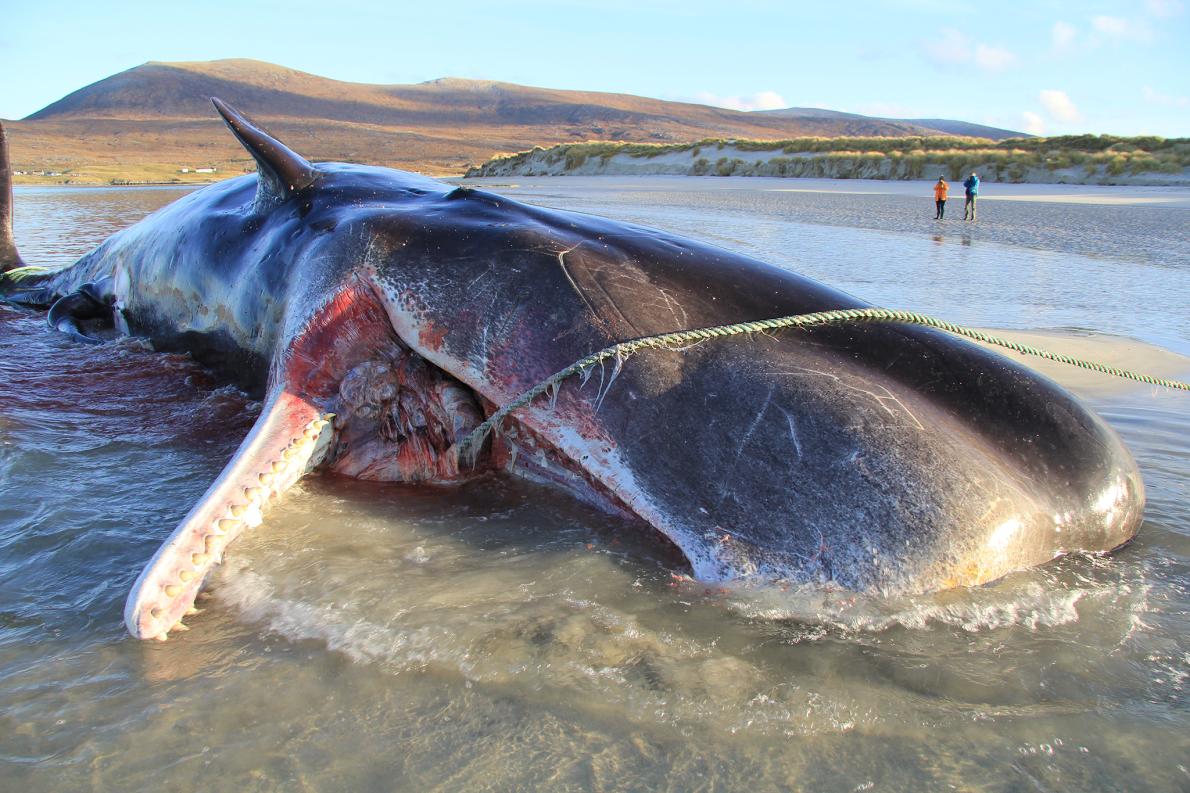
[914, 467]
[1111, 511]
[1096, 515]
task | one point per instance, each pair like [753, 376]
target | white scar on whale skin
[290, 438]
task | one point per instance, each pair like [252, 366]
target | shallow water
[501, 636]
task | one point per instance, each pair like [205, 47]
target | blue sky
[1117, 66]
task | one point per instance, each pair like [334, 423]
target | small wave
[564, 648]
[339, 627]
[1031, 600]
[129, 345]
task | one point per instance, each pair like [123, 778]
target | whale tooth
[229, 524]
[237, 510]
[155, 613]
[279, 466]
[173, 590]
[211, 541]
[181, 626]
[161, 636]
[265, 478]
[186, 575]
[253, 494]
[190, 612]
[199, 558]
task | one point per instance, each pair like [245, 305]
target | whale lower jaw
[373, 410]
[290, 438]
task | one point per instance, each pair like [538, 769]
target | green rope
[472, 441]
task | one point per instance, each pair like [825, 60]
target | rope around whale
[624, 348]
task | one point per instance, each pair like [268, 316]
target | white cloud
[1033, 123]
[951, 47]
[1063, 36]
[769, 100]
[1112, 26]
[1059, 106]
[1154, 97]
[955, 48]
[1121, 28]
[993, 59]
[762, 100]
[1164, 8]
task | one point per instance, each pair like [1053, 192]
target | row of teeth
[275, 478]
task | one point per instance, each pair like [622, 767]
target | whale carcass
[382, 315]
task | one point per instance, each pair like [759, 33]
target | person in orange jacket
[940, 190]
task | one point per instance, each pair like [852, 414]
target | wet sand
[1127, 354]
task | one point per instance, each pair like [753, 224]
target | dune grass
[891, 158]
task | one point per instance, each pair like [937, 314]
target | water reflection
[57, 225]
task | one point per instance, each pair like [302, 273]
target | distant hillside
[968, 130]
[913, 126]
[155, 120]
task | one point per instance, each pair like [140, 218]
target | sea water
[501, 636]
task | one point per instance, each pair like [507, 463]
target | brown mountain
[155, 119]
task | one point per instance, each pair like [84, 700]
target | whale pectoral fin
[10, 257]
[92, 304]
[290, 438]
[19, 282]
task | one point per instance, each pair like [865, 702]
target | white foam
[1033, 605]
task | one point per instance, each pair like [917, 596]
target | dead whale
[382, 315]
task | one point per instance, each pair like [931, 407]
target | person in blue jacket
[971, 186]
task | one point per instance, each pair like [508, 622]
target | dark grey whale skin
[879, 458]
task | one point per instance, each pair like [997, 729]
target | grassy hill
[151, 122]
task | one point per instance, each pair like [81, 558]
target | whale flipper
[10, 257]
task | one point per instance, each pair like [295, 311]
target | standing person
[971, 186]
[940, 191]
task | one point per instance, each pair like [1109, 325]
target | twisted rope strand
[468, 445]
